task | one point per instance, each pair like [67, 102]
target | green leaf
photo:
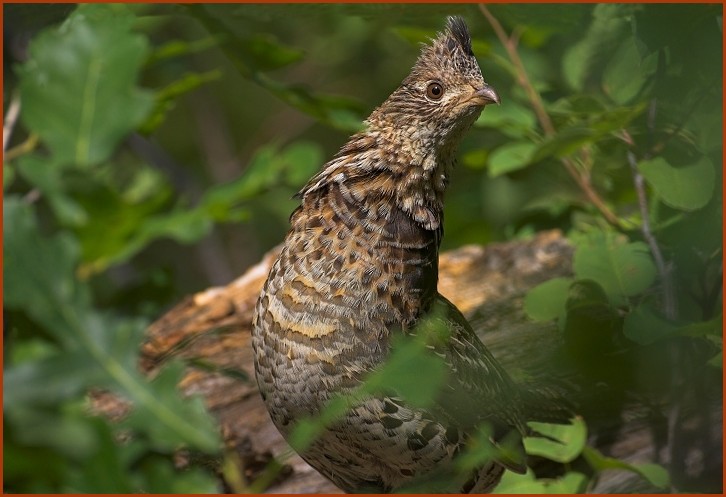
[104, 470]
[571, 440]
[50, 380]
[268, 168]
[20, 465]
[714, 327]
[547, 300]
[161, 477]
[162, 413]
[307, 430]
[39, 271]
[263, 172]
[47, 175]
[265, 53]
[411, 371]
[614, 120]
[78, 86]
[626, 73]
[622, 269]
[8, 176]
[40, 280]
[30, 349]
[177, 48]
[512, 119]
[590, 327]
[645, 325]
[166, 97]
[512, 483]
[65, 432]
[687, 188]
[479, 449]
[476, 159]
[564, 143]
[302, 160]
[510, 157]
[588, 55]
[126, 220]
[717, 360]
[654, 473]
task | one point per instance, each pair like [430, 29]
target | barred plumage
[359, 264]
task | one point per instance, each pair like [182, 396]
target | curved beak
[486, 95]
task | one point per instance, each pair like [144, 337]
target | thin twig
[677, 359]
[583, 182]
[669, 294]
[510, 45]
[11, 118]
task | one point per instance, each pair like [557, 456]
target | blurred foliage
[159, 146]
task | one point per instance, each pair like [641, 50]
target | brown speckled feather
[359, 264]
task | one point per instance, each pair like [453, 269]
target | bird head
[443, 94]
[410, 141]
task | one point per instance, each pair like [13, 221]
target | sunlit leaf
[570, 438]
[512, 483]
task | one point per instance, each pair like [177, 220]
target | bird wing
[477, 390]
[483, 385]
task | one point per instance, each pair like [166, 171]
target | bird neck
[379, 165]
[418, 167]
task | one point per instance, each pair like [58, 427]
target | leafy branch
[582, 178]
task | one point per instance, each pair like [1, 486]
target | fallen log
[210, 331]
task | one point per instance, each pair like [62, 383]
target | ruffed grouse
[360, 266]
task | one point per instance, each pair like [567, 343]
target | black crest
[457, 28]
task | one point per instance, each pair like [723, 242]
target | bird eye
[434, 90]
